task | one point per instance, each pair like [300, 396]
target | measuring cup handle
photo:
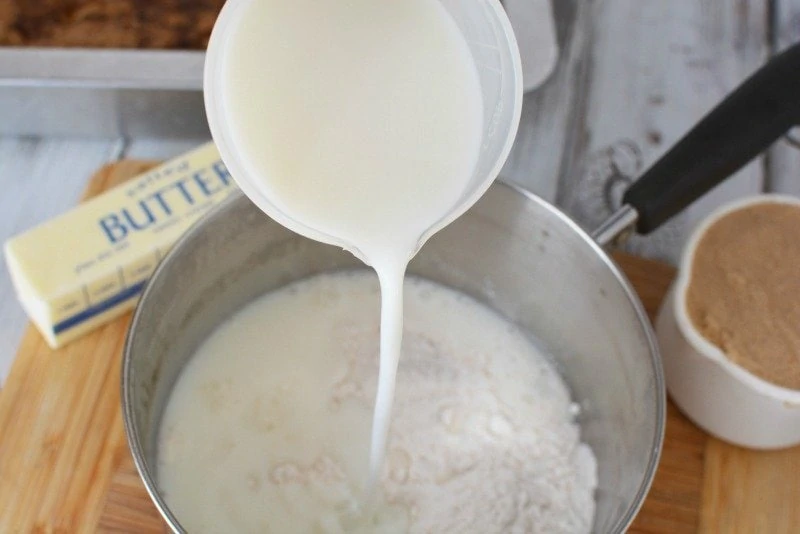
[748, 121]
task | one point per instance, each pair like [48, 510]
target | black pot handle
[745, 124]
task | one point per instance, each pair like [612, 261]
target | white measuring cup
[493, 46]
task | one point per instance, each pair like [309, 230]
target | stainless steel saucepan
[513, 251]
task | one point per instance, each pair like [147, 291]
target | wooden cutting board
[65, 466]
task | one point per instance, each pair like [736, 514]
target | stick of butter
[89, 265]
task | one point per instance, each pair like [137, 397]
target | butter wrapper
[89, 265]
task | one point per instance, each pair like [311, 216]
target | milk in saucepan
[268, 426]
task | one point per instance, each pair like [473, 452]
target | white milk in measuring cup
[366, 125]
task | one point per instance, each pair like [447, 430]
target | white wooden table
[632, 77]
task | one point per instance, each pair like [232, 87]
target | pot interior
[511, 251]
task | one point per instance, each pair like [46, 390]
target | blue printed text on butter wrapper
[155, 208]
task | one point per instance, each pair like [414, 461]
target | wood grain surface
[649, 70]
[65, 466]
[632, 78]
[61, 435]
[783, 169]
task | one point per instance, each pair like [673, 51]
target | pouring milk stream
[358, 123]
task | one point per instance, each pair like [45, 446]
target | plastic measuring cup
[493, 46]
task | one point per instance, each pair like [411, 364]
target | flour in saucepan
[483, 438]
[483, 429]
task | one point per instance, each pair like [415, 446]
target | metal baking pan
[116, 93]
[102, 93]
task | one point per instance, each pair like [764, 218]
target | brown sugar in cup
[727, 329]
[744, 289]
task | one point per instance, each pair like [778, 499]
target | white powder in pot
[483, 434]
[483, 438]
